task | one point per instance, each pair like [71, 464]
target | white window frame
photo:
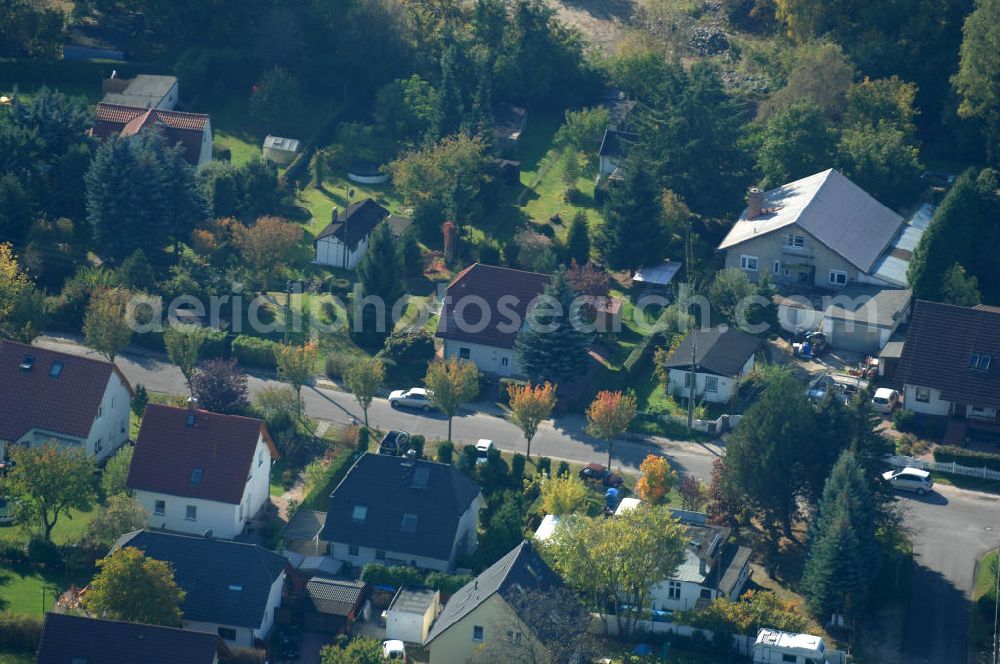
[922, 394]
[159, 508]
[833, 278]
[793, 240]
[191, 513]
[464, 353]
[776, 268]
[674, 590]
[746, 260]
[711, 383]
[481, 631]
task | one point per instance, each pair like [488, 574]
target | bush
[467, 460]
[410, 349]
[448, 584]
[321, 477]
[517, 470]
[339, 286]
[445, 452]
[386, 575]
[364, 436]
[337, 365]
[13, 554]
[543, 465]
[904, 420]
[215, 345]
[44, 552]
[254, 351]
[417, 443]
[964, 457]
[563, 470]
[20, 632]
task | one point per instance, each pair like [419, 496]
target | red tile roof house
[503, 295]
[192, 130]
[49, 396]
[198, 472]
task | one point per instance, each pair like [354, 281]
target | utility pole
[288, 308]
[694, 343]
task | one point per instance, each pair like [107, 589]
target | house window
[789, 658]
[409, 523]
[687, 379]
[196, 475]
[241, 511]
[160, 507]
[504, 361]
[838, 277]
[674, 590]
[99, 445]
[379, 555]
[260, 458]
[192, 513]
[706, 593]
[776, 268]
[711, 384]
[477, 633]
[513, 636]
[227, 633]
[352, 550]
[748, 263]
[464, 353]
[56, 369]
[100, 412]
[792, 240]
[923, 394]
[112, 403]
[979, 361]
[359, 513]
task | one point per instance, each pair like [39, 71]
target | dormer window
[980, 361]
[56, 369]
[359, 513]
[409, 523]
[196, 475]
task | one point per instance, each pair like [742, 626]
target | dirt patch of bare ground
[603, 23]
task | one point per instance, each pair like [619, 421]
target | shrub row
[20, 632]
[397, 576]
[964, 457]
[318, 497]
[254, 351]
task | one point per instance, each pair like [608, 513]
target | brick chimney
[755, 203]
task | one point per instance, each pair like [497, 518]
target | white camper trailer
[776, 647]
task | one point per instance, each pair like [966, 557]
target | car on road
[595, 472]
[909, 479]
[394, 443]
[483, 447]
[885, 400]
[415, 397]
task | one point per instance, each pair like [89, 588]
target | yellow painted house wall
[455, 644]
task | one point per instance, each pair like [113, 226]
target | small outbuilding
[280, 150]
[411, 613]
[658, 276]
[334, 604]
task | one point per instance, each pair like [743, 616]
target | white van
[909, 479]
[483, 448]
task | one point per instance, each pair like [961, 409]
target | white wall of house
[724, 387]
[364, 555]
[205, 156]
[608, 165]
[245, 636]
[490, 359]
[678, 595]
[933, 405]
[771, 254]
[331, 251]
[169, 101]
[493, 618]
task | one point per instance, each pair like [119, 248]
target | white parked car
[909, 479]
[483, 448]
[885, 400]
[415, 397]
[394, 650]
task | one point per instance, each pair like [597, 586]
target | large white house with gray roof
[822, 231]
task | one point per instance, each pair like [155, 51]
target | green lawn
[336, 193]
[17, 657]
[21, 590]
[982, 619]
[68, 529]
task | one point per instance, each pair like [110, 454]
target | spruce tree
[381, 269]
[633, 233]
[578, 239]
[552, 346]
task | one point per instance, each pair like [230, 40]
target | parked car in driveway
[595, 472]
[885, 400]
[415, 397]
[909, 479]
[394, 443]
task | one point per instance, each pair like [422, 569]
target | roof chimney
[755, 203]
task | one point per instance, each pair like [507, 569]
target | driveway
[951, 528]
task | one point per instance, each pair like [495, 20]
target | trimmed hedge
[319, 497]
[964, 457]
[20, 632]
[215, 344]
[391, 575]
[254, 351]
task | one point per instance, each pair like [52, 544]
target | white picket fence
[951, 468]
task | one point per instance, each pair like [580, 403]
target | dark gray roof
[414, 599]
[398, 224]
[616, 143]
[335, 597]
[521, 568]
[226, 582]
[304, 525]
[355, 222]
[437, 494]
[734, 560]
[717, 351]
[68, 639]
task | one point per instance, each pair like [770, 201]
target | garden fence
[951, 468]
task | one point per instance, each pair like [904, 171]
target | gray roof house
[722, 357]
[405, 511]
[233, 589]
[822, 230]
[477, 613]
[344, 241]
[143, 91]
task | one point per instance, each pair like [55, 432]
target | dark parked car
[595, 472]
[394, 443]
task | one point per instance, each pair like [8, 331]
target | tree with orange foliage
[657, 479]
[609, 416]
[266, 246]
[529, 405]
